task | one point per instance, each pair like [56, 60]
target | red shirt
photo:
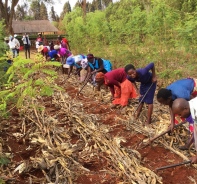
[115, 77]
[64, 40]
[45, 50]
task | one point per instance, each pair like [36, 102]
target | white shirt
[193, 109]
[25, 41]
[17, 43]
[84, 63]
[12, 44]
[78, 58]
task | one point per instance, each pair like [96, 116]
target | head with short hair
[164, 96]
[181, 107]
[90, 58]
[130, 70]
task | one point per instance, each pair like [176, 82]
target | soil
[152, 157]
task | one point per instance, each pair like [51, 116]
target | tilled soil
[152, 157]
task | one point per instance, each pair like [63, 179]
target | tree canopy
[8, 12]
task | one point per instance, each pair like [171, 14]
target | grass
[171, 63]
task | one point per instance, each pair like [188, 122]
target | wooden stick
[174, 165]
[142, 99]
[84, 85]
[167, 131]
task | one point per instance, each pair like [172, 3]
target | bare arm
[134, 83]
[77, 71]
[88, 74]
[101, 67]
[172, 117]
[70, 70]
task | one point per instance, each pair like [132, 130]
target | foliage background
[3, 57]
[138, 32]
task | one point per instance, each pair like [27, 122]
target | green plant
[28, 79]
[4, 161]
[1, 181]
[138, 32]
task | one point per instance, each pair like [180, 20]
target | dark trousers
[17, 51]
[27, 49]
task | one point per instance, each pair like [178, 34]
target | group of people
[121, 81]
[179, 96]
[13, 44]
[47, 49]
[59, 52]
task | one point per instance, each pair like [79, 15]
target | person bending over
[184, 109]
[147, 86]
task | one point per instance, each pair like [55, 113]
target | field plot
[82, 140]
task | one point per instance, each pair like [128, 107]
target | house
[34, 27]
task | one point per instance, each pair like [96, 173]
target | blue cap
[70, 61]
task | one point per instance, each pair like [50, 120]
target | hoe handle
[173, 165]
[167, 131]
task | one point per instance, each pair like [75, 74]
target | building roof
[33, 26]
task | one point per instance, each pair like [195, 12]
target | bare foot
[148, 122]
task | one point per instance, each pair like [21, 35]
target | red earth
[152, 157]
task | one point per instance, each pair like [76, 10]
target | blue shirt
[181, 88]
[52, 53]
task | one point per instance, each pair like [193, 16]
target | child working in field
[147, 86]
[184, 109]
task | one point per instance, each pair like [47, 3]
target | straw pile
[70, 142]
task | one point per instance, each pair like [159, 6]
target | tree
[35, 9]
[53, 15]
[88, 7]
[21, 12]
[97, 5]
[66, 9]
[77, 4]
[43, 12]
[106, 2]
[7, 12]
